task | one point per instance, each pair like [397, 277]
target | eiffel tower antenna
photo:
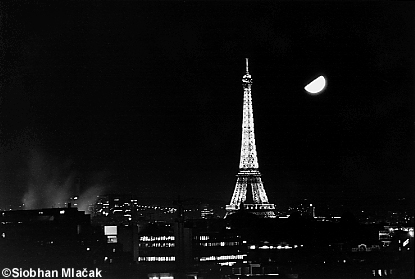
[247, 72]
[249, 177]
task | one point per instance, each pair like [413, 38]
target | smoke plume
[51, 183]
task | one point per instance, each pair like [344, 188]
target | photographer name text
[50, 273]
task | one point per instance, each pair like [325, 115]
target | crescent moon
[316, 86]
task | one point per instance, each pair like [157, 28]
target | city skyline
[145, 98]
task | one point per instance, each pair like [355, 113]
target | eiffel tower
[249, 175]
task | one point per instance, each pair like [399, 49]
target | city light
[160, 276]
[157, 238]
[156, 259]
[221, 258]
[227, 263]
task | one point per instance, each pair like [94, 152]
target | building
[48, 235]
[116, 209]
[206, 211]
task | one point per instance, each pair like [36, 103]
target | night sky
[146, 98]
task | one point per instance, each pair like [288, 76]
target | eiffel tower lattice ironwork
[249, 175]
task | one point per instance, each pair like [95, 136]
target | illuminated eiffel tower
[249, 175]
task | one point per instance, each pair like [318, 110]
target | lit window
[112, 239]
[110, 230]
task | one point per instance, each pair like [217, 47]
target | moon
[316, 86]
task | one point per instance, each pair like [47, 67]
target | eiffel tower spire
[249, 175]
[249, 159]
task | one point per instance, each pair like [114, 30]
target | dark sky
[146, 98]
